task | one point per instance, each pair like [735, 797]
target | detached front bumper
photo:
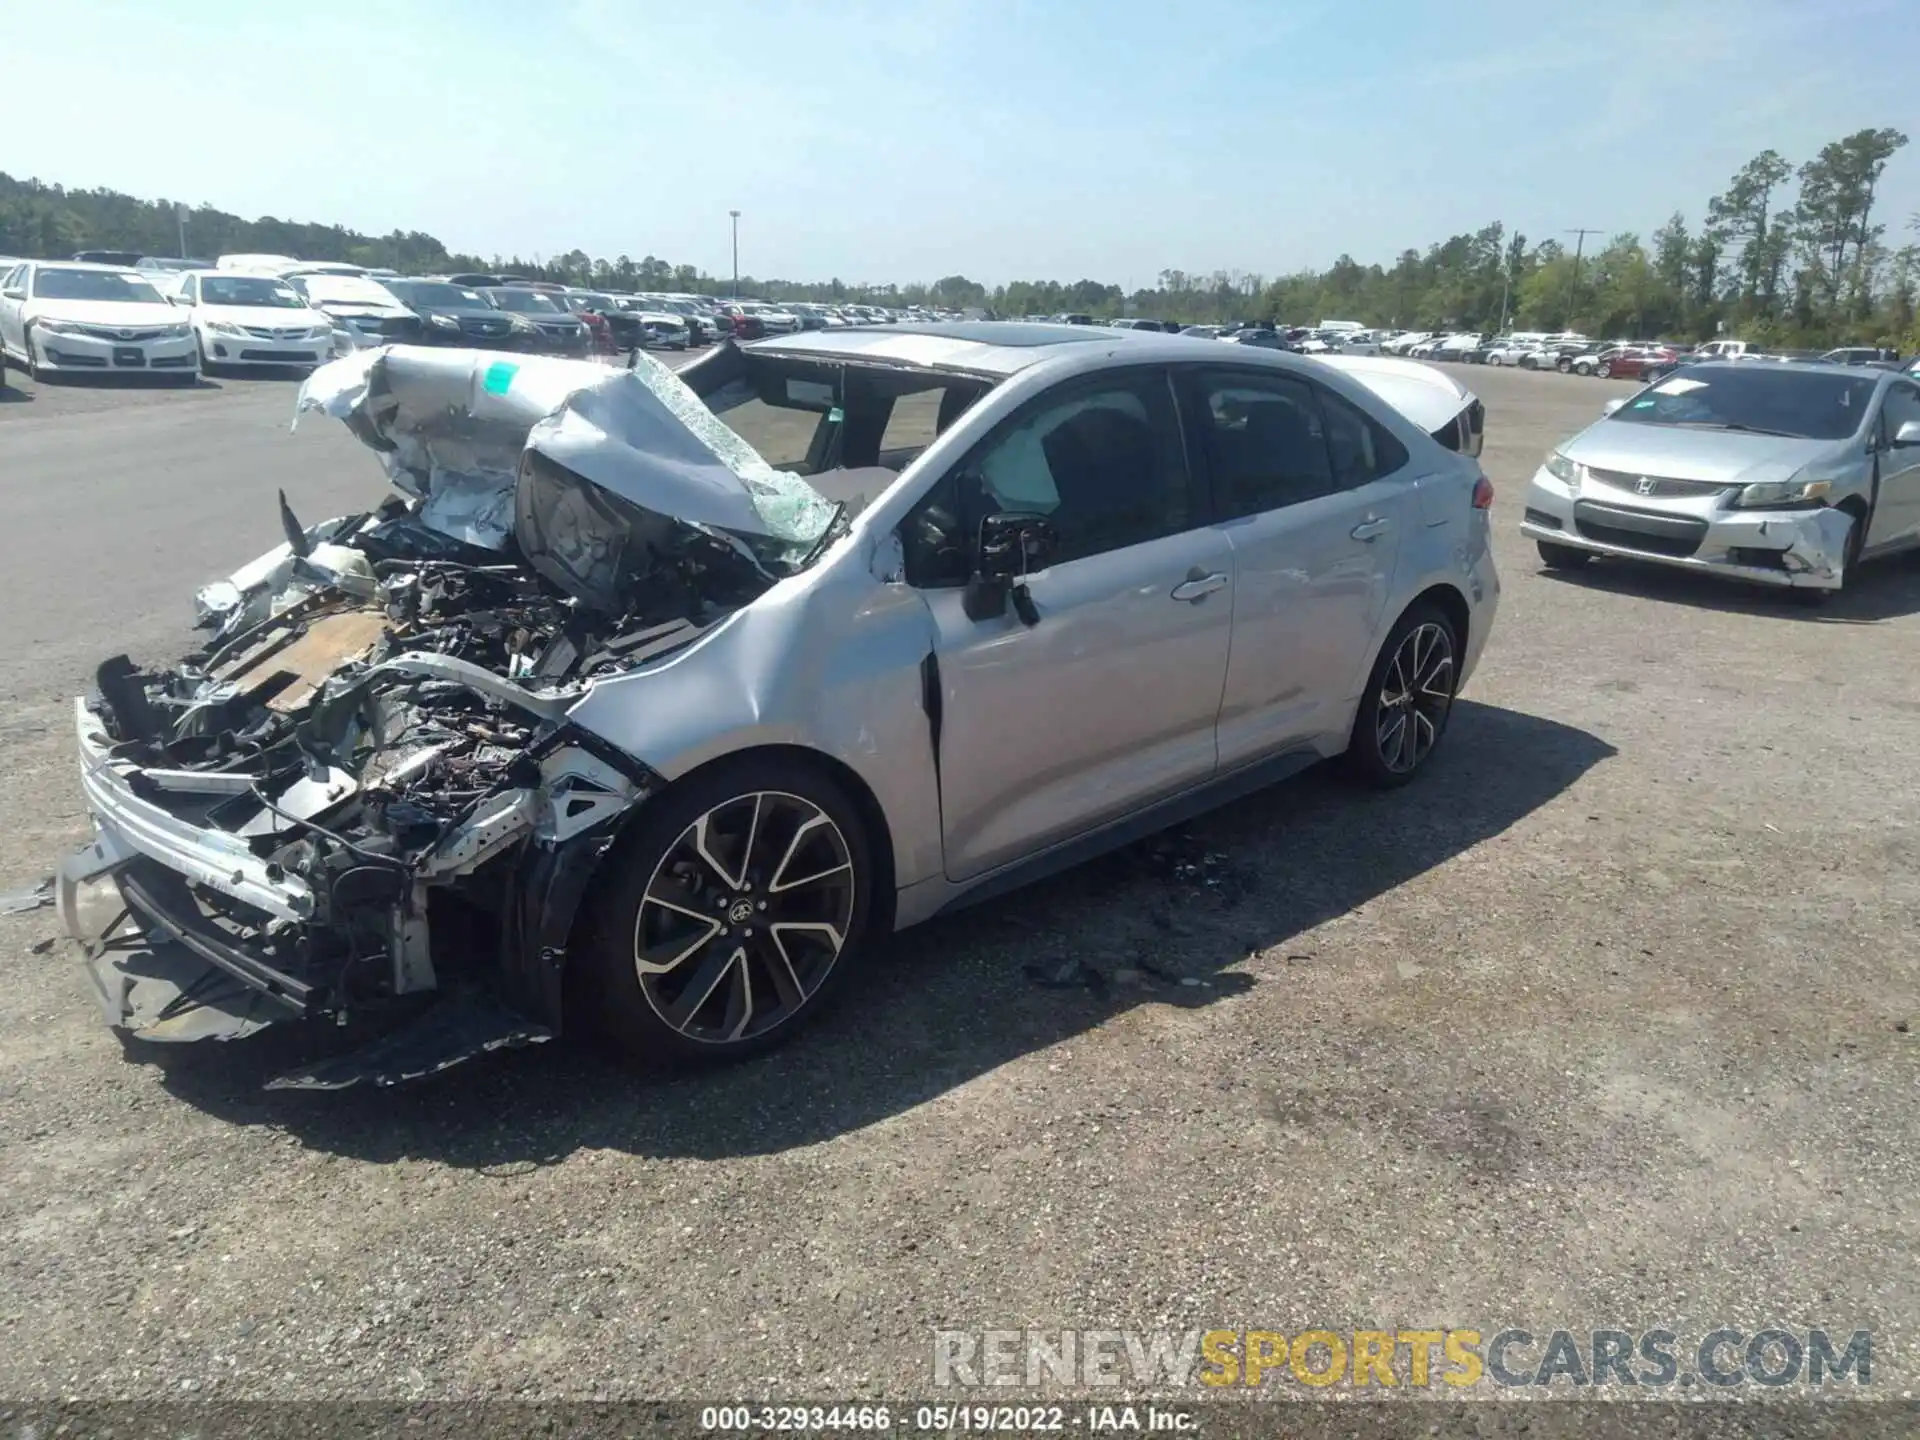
[1802, 549]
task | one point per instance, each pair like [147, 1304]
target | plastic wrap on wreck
[450, 426]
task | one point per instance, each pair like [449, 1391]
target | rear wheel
[1408, 699]
[1562, 557]
[731, 914]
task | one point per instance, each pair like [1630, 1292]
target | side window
[1264, 442]
[11, 278]
[1902, 404]
[1361, 449]
[1102, 459]
[190, 290]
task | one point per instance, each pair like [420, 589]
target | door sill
[1209, 795]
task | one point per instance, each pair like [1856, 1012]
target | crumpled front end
[364, 789]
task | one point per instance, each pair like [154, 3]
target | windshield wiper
[1734, 425]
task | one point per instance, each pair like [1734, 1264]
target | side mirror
[1612, 405]
[14, 294]
[1907, 434]
[1013, 544]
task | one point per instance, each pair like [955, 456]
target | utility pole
[1579, 243]
[180, 214]
[736, 252]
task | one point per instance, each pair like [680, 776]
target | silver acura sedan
[1786, 475]
[610, 715]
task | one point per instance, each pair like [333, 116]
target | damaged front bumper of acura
[364, 797]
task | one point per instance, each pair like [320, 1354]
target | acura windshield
[93, 285]
[1762, 399]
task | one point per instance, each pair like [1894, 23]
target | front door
[1896, 509]
[1107, 701]
[1315, 498]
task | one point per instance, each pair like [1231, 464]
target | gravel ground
[1604, 1022]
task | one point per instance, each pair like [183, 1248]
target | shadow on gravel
[1883, 589]
[1157, 924]
[123, 380]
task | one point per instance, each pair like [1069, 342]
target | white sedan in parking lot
[61, 317]
[251, 320]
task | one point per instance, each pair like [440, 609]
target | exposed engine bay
[364, 787]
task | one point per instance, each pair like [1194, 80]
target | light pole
[736, 252]
[180, 214]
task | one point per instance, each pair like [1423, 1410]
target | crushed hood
[453, 426]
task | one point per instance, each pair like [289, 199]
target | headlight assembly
[1562, 469]
[60, 327]
[445, 322]
[1779, 494]
[221, 327]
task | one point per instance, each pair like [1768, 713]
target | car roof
[1797, 367]
[86, 265]
[994, 347]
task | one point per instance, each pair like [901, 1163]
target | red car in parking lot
[1631, 362]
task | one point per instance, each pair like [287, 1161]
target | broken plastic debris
[19, 902]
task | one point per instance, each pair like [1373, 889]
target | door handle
[1197, 586]
[1371, 529]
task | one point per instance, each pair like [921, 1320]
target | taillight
[1483, 493]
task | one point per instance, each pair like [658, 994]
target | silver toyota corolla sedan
[1785, 475]
[620, 713]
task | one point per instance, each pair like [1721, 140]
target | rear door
[1106, 702]
[1315, 497]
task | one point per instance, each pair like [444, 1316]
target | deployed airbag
[452, 426]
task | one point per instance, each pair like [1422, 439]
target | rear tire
[700, 943]
[1561, 557]
[1409, 696]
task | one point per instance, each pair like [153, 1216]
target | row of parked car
[109, 311]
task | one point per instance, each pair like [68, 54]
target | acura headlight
[1562, 469]
[221, 327]
[1777, 494]
[445, 322]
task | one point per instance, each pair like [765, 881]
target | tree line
[1786, 254]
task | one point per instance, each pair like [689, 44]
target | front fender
[828, 661]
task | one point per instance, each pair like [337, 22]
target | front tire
[1409, 696]
[1603, 370]
[730, 915]
[1561, 557]
[33, 361]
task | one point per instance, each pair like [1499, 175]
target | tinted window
[1264, 443]
[1359, 448]
[1103, 460]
